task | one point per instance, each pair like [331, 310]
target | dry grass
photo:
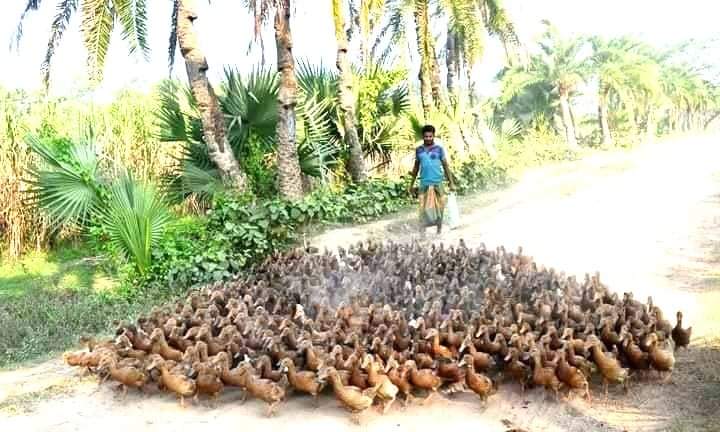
[24, 403]
[124, 130]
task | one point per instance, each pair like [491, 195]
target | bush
[536, 148]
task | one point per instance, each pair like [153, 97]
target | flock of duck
[382, 321]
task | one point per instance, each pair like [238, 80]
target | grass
[66, 269]
[47, 300]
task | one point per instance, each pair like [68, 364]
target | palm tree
[213, 121]
[561, 64]
[99, 19]
[289, 174]
[426, 49]
[347, 96]
[70, 187]
[624, 73]
[470, 23]
[368, 15]
[464, 43]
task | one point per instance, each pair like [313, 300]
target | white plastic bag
[452, 212]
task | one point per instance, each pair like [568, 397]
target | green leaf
[97, 28]
[67, 185]
[136, 217]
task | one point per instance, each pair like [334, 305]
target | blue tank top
[430, 159]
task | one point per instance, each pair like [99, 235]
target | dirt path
[648, 221]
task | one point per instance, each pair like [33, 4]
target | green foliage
[250, 107]
[537, 147]
[68, 186]
[383, 103]
[134, 217]
[71, 190]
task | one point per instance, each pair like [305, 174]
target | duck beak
[507, 358]
[462, 363]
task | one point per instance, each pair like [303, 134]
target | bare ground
[649, 221]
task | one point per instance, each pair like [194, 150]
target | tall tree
[561, 64]
[289, 174]
[347, 96]
[470, 23]
[213, 120]
[290, 179]
[426, 49]
[624, 74]
[368, 15]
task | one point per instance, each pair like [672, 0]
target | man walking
[431, 162]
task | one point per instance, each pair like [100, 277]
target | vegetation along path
[648, 221]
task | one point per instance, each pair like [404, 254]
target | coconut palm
[367, 17]
[470, 22]
[560, 63]
[625, 73]
[346, 93]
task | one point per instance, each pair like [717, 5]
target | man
[431, 162]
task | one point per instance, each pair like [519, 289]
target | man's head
[428, 132]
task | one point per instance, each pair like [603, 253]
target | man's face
[428, 138]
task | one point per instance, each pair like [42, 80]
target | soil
[648, 220]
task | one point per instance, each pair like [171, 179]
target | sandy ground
[649, 221]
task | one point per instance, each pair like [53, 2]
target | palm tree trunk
[472, 94]
[347, 97]
[423, 35]
[567, 118]
[289, 176]
[435, 80]
[451, 63]
[607, 140]
[650, 126]
[212, 118]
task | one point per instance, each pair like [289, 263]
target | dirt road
[649, 221]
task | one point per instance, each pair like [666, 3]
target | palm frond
[316, 79]
[65, 11]
[32, 5]
[250, 106]
[318, 144]
[201, 182]
[68, 185]
[170, 116]
[135, 218]
[132, 15]
[97, 27]
[172, 42]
